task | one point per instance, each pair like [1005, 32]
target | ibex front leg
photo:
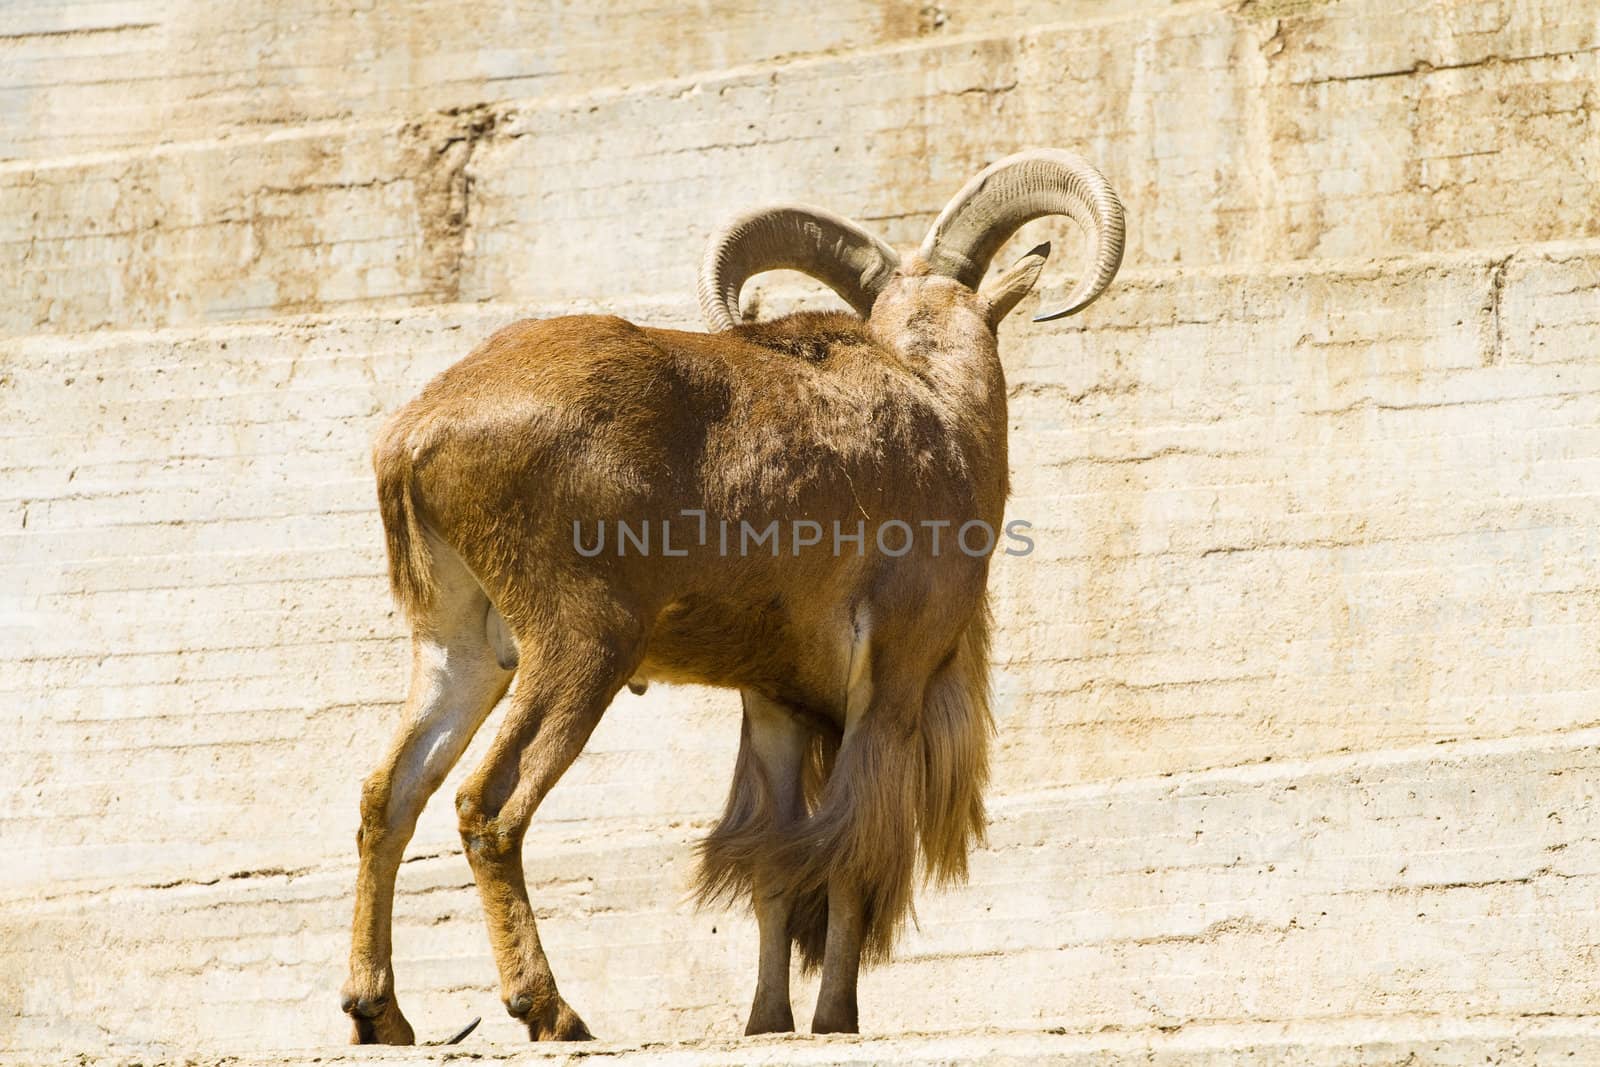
[554, 708]
[872, 799]
[836, 993]
[778, 741]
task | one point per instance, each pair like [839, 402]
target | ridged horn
[833, 250]
[1017, 190]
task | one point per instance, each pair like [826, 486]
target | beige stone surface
[1345, 131]
[326, 218]
[1401, 1041]
[1448, 881]
[1355, 130]
[90, 75]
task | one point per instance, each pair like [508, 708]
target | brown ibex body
[861, 656]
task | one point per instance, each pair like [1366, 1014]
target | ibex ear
[1014, 284]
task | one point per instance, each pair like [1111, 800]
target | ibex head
[949, 267]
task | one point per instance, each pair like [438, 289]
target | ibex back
[862, 659]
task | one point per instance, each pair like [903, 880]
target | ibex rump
[864, 673]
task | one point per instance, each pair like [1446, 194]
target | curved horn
[833, 250]
[1017, 190]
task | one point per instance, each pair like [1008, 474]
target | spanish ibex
[863, 668]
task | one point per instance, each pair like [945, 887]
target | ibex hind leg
[568, 675]
[456, 678]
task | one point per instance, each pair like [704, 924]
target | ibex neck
[952, 351]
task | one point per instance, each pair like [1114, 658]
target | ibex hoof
[376, 1020]
[770, 1020]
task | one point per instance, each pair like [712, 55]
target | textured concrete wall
[1234, 139]
[93, 75]
[1296, 697]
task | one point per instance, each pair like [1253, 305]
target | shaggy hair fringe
[873, 811]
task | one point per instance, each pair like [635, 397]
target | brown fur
[410, 565]
[883, 660]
